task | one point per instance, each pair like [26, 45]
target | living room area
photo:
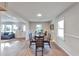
[11, 28]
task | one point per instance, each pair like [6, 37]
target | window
[39, 28]
[12, 28]
[2, 28]
[24, 28]
[15, 28]
[61, 29]
[8, 28]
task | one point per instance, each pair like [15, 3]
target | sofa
[7, 35]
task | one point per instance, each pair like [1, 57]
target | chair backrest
[30, 36]
[45, 33]
[40, 41]
[49, 36]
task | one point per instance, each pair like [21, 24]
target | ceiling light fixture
[39, 14]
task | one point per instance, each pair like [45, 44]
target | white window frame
[60, 29]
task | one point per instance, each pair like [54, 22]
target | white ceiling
[29, 10]
[10, 17]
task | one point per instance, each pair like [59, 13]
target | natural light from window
[39, 27]
[61, 29]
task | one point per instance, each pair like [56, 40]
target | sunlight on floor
[3, 45]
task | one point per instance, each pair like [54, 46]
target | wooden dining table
[38, 36]
[45, 40]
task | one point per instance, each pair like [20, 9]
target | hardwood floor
[20, 47]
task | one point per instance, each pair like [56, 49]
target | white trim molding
[71, 35]
[63, 49]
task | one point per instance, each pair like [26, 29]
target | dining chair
[31, 39]
[39, 43]
[47, 39]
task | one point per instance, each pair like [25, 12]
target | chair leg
[30, 45]
[36, 52]
[49, 44]
[42, 51]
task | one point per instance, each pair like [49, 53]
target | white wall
[27, 30]
[20, 33]
[46, 26]
[71, 31]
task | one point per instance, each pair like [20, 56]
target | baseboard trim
[64, 49]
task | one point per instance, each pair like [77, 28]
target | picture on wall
[52, 27]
